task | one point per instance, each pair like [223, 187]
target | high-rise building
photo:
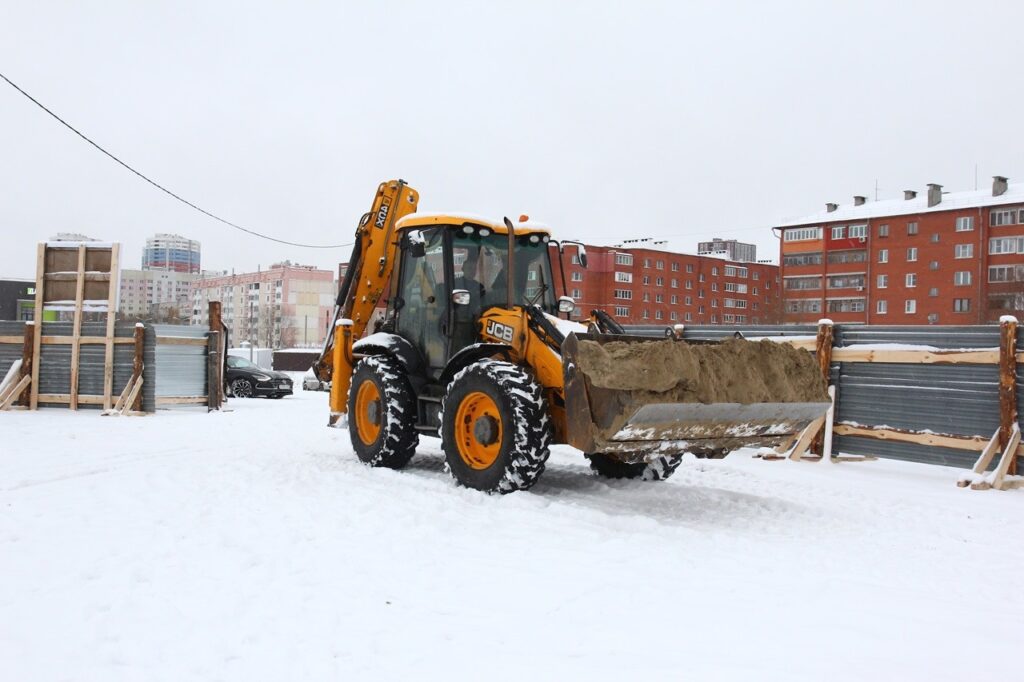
[171, 253]
[729, 248]
[156, 294]
[937, 258]
[285, 306]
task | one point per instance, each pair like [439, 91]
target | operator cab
[452, 269]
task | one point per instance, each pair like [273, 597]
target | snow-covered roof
[919, 204]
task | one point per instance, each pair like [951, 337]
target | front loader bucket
[636, 396]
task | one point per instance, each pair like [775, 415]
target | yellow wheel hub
[368, 412]
[478, 430]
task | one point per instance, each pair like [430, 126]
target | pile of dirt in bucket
[734, 371]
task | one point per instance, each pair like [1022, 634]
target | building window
[714, 271]
[714, 286]
[883, 255]
[911, 228]
[965, 224]
[961, 305]
[962, 278]
[675, 283]
[659, 298]
[675, 267]
[575, 260]
[660, 281]
[795, 260]
[883, 230]
[661, 265]
[846, 305]
[624, 294]
[883, 281]
[625, 277]
[689, 284]
[910, 306]
[689, 267]
[912, 254]
[577, 277]
[688, 317]
[621, 311]
[646, 297]
[701, 277]
[933, 292]
[853, 281]
[657, 314]
[839, 232]
[858, 256]
[623, 259]
[963, 251]
[911, 279]
[645, 315]
[647, 280]
[673, 316]
[882, 307]
[576, 294]
[647, 262]
[807, 305]
[688, 300]
[935, 238]
[1002, 273]
[802, 234]
[858, 231]
[1003, 217]
[1006, 245]
[934, 265]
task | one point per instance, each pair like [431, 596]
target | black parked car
[249, 380]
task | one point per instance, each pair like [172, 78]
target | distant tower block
[171, 252]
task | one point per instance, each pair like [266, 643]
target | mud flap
[631, 422]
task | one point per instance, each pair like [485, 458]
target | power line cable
[164, 189]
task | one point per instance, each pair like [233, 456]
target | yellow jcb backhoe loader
[471, 348]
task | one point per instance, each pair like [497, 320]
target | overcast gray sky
[605, 120]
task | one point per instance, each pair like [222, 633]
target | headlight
[261, 377]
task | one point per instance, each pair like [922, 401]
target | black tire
[396, 439]
[242, 388]
[657, 469]
[524, 427]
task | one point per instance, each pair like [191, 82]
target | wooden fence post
[1007, 383]
[216, 351]
[823, 352]
[27, 359]
[138, 362]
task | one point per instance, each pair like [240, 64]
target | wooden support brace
[1007, 460]
[12, 393]
[134, 396]
[37, 327]
[823, 352]
[804, 441]
[108, 351]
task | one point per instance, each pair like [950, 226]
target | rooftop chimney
[831, 207]
[998, 185]
[859, 201]
[909, 194]
[934, 194]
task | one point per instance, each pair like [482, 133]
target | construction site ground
[252, 545]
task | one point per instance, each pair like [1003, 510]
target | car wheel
[242, 388]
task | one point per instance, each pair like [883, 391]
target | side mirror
[566, 304]
[460, 297]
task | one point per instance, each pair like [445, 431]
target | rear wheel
[657, 469]
[495, 428]
[382, 413]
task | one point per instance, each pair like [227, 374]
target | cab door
[422, 308]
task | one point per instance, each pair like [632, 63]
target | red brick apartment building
[939, 258]
[646, 282]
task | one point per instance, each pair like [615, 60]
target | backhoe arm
[373, 259]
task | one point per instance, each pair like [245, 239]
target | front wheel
[382, 413]
[495, 427]
[242, 388]
[657, 469]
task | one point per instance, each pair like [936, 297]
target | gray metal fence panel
[977, 336]
[955, 399]
[180, 369]
[909, 452]
[10, 352]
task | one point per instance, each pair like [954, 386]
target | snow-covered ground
[251, 545]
